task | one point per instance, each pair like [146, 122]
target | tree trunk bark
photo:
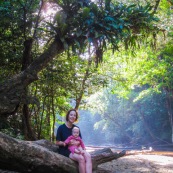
[12, 91]
[41, 156]
[26, 124]
[78, 100]
[26, 117]
[169, 106]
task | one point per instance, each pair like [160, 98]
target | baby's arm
[77, 151]
[80, 150]
[67, 141]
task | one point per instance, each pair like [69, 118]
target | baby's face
[75, 132]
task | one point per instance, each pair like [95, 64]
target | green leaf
[108, 18]
[86, 12]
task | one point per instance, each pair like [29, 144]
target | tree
[82, 23]
[136, 120]
[147, 67]
[76, 26]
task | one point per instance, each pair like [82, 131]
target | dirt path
[139, 163]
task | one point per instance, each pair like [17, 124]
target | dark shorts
[64, 152]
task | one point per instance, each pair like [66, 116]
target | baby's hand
[82, 152]
[78, 152]
[74, 142]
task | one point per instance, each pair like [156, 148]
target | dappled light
[49, 9]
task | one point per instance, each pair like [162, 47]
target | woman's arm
[60, 143]
[59, 137]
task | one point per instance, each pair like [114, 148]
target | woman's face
[72, 117]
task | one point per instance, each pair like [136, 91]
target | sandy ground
[139, 163]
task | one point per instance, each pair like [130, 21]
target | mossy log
[42, 156]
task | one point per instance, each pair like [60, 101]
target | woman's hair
[67, 115]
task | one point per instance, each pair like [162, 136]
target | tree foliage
[31, 40]
[127, 121]
[148, 74]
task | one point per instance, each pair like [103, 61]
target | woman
[63, 132]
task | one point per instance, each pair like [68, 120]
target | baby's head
[75, 131]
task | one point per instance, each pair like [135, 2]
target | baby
[75, 136]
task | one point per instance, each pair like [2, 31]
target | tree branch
[156, 6]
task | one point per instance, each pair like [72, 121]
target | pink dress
[73, 147]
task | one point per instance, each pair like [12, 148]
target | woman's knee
[81, 159]
[87, 156]
[77, 157]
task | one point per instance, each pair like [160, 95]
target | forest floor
[139, 163]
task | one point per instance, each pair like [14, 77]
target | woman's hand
[74, 142]
[60, 143]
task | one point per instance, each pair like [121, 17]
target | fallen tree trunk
[41, 156]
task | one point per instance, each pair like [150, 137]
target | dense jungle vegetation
[113, 62]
